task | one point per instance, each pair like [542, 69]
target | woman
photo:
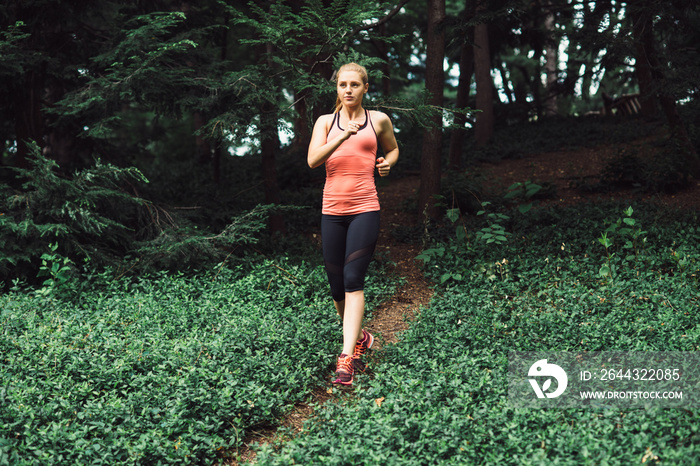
[346, 142]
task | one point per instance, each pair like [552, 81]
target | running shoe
[361, 348]
[345, 369]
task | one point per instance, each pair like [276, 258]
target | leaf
[532, 189]
[460, 234]
[423, 257]
[453, 215]
[525, 208]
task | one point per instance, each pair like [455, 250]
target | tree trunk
[520, 80]
[466, 69]
[434, 83]
[550, 63]
[483, 127]
[668, 102]
[269, 145]
[643, 41]
[383, 51]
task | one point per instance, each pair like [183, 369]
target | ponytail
[338, 104]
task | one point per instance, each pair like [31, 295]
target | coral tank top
[350, 187]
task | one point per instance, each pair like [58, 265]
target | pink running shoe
[345, 369]
[361, 348]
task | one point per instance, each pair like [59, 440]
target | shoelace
[345, 364]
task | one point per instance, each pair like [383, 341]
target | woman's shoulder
[325, 121]
[377, 115]
[379, 119]
[327, 116]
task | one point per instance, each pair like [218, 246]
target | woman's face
[351, 89]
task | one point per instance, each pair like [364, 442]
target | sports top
[350, 187]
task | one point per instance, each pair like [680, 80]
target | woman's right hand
[353, 128]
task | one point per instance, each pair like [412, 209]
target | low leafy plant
[163, 369]
[440, 395]
[494, 232]
[630, 235]
[59, 270]
[608, 269]
[523, 192]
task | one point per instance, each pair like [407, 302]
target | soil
[561, 170]
[565, 170]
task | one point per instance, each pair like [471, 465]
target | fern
[180, 246]
[86, 214]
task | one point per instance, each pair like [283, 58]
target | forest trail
[387, 320]
[560, 168]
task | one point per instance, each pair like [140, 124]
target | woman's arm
[385, 133]
[319, 147]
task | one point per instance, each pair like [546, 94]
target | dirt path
[558, 168]
[387, 320]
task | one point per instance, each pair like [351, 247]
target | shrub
[662, 172]
[87, 215]
[91, 217]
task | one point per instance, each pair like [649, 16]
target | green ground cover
[440, 396]
[176, 369]
[168, 369]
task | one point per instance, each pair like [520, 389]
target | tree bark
[644, 40]
[434, 83]
[658, 83]
[483, 127]
[466, 69]
[269, 145]
[550, 63]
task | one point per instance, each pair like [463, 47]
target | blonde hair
[349, 67]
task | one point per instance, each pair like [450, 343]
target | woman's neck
[354, 113]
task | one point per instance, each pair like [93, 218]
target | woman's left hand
[383, 166]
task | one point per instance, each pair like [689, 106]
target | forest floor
[562, 169]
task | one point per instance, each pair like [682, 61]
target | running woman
[346, 142]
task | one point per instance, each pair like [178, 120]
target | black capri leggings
[348, 244]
